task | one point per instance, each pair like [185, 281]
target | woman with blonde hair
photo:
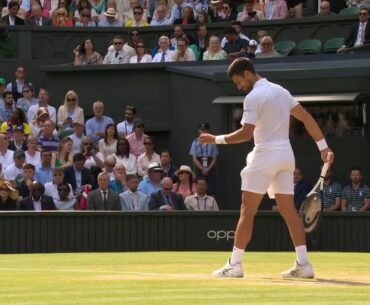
[38, 122]
[214, 51]
[61, 19]
[64, 156]
[69, 111]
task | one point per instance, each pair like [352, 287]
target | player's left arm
[244, 134]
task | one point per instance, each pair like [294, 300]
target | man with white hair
[160, 17]
[164, 53]
[118, 184]
[95, 127]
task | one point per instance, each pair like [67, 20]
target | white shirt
[51, 190]
[33, 111]
[129, 163]
[188, 55]
[19, 83]
[76, 145]
[90, 162]
[268, 107]
[122, 57]
[125, 127]
[6, 159]
[164, 21]
[146, 58]
[241, 36]
[35, 160]
[167, 56]
[11, 172]
[361, 28]
[143, 163]
[37, 205]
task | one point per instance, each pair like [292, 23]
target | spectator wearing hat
[138, 20]
[24, 181]
[205, 159]
[216, 10]
[152, 183]
[16, 121]
[77, 135]
[185, 185]
[234, 45]
[6, 155]
[37, 201]
[165, 199]
[16, 168]
[149, 156]
[28, 98]
[126, 127]
[8, 196]
[132, 199]
[166, 163]
[7, 108]
[51, 188]
[19, 141]
[110, 19]
[64, 202]
[95, 127]
[252, 48]
[119, 54]
[200, 201]
[43, 102]
[250, 13]
[137, 138]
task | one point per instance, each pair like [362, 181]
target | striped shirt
[330, 193]
[355, 197]
[49, 144]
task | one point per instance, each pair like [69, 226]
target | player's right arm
[244, 134]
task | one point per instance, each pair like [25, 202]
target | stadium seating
[310, 46]
[284, 47]
[332, 45]
[349, 11]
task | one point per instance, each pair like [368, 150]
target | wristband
[322, 144]
[220, 139]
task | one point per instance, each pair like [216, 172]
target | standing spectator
[28, 98]
[132, 199]
[160, 18]
[95, 127]
[77, 175]
[12, 171]
[126, 127]
[332, 192]
[119, 54]
[356, 196]
[19, 140]
[138, 20]
[37, 19]
[25, 180]
[16, 86]
[12, 18]
[16, 121]
[164, 54]
[77, 136]
[63, 157]
[48, 141]
[276, 9]
[6, 155]
[8, 197]
[7, 108]
[165, 199]
[118, 184]
[185, 185]
[38, 201]
[205, 159]
[183, 52]
[152, 183]
[33, 156]
[200, 201]
[69, 111]
[267, 48]
[234, 45]
[228, 12]
[102, 198]
[137, 138]
[141, 57]
[124, 157]
[168, 168]
[149, 156]
[325, 9]
[301, 188]
[64, 202]
[44, 172]
[43, 102]
[51, 188]
[108, 145]
[214, 51]
[249, 13]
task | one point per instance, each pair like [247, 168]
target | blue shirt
[49, 144]
[93, 125]
[116, 187]
[44, 175]
[199, 150]
[147, 187]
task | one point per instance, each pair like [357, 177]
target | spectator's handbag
[83, 200]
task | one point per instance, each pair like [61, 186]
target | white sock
[236, 256]
[301, 252]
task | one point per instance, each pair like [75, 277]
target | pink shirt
[136, 145]
[184, 192]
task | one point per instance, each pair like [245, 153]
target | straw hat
[111, 12]
[187, 169]
[13, 192]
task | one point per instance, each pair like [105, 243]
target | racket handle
[324, 169]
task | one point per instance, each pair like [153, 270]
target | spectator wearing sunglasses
[119, 55]
[267, 48]
[228, 13]
[16, 168]
[8, 197]
[165, 199]
[64, 202]
[141, 56]
[28, 98]
[149, 156]
[138, 20]
[84, 8]
[85, 18]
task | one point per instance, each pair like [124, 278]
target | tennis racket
[311, 208]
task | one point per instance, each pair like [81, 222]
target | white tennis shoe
[299, 271]
[229, 270]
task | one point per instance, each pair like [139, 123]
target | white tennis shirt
[268, 107]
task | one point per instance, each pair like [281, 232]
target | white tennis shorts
[269, 170]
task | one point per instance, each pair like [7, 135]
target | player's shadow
[342, 282]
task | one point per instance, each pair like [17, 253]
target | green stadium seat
[310, 46]
[284, 47]
[240, 8]
[332, 45]
[65, 133]
[349, 11]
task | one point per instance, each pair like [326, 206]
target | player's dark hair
[239, 66]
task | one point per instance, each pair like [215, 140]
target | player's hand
[327, 155]
[206, 138]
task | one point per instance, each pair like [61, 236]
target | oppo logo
[221, 235]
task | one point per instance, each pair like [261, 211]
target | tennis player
[270, 166]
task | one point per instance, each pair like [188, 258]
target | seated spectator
[2, 90]
[21, 12]
[95, 127]
[108, 145]
[202, 17]
[85, 54]
[118, 184]
[276, 9]
[8, 197]
[252, 48]
[216, 11]
[84, 7]
[77, 175]
[6, 155]
[168, 168]
[356, 196]
[120, 54]
[332, 193]
[12, 18]
[64, 202]
[33, 156]
[267, 48]
[214, 51]
[110, 19]
[91, 154]
[185, 185]
[28, 98]
[85, 19]
[228, 12]
[149, 156]
[128, 10]
[99, 6]
[44, 172]
[187, 16]
[13, 170]
[69, 111]
[132, 199]
[137, 138]
[48, 141]
[200, 201]
[160, 16]
[61, 18]
[63, 157]
[43, 102]
[37, 201]
[123, 157]
[16, 86]
[164, 54]
[51, 188]
[138, 20]
[113, 4]
[201, 40]
[359, 33]
[301, 188]
[141, 56]
[178, 32]
[249, 13]
[8, 107]
[37, 123]
[102, 198]
[19, 139]
[126, 127]
[37, 18]
[77, 136]
[183, 52]
[152, 183]
[45, 12]
[234, 45]
[17, 121]
[133, 40]
[165, 199]
[109, 164]
[62, 4]
[23, 182]
[325, 9]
